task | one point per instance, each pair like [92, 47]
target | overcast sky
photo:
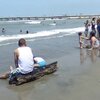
[9, 8]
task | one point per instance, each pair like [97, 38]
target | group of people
[25, 61]
[91, 34]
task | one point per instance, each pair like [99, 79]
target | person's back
[94, 41]
[25, 60]
[97, 43]
[23, 57]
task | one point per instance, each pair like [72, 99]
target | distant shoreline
[48, 17]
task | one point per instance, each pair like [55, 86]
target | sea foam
[48, 33]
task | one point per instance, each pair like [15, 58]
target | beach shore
[77, 78]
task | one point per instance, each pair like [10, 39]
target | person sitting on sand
[93, 40]
[23, 58]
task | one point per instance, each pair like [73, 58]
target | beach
[77, 77]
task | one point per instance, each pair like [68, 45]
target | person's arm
[16, 58]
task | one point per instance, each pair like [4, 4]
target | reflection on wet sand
[25, 91]
[91, 54]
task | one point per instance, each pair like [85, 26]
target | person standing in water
[93, 23]
[3, 30]
[98, 27]
[86, 28]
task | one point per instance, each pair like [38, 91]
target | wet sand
[78, 76]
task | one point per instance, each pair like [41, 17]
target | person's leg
[11, 68]
[81, 45]
[6, 74]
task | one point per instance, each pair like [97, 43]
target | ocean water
[54, 40]
[45, 37]
[38, 29]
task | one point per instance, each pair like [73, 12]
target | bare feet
[4, 76]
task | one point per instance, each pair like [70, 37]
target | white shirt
[25, 61]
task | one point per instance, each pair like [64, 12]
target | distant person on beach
[86, 28]
[93, 23]
[3, 30]
[23, 58]
[20, 31]
[39, 62]
[27, 32]
[93, 40]
[98, 27]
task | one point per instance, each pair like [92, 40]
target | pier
[49, 17]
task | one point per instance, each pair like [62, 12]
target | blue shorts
[42, 63]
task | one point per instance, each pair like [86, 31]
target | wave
[22, 21]
[33, 22]
[13, 21]
[53, 24]
[47, 19]
[4, 44]
[41, 34]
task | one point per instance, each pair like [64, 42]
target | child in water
[81, 40]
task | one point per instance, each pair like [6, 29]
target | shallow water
[78, 70]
